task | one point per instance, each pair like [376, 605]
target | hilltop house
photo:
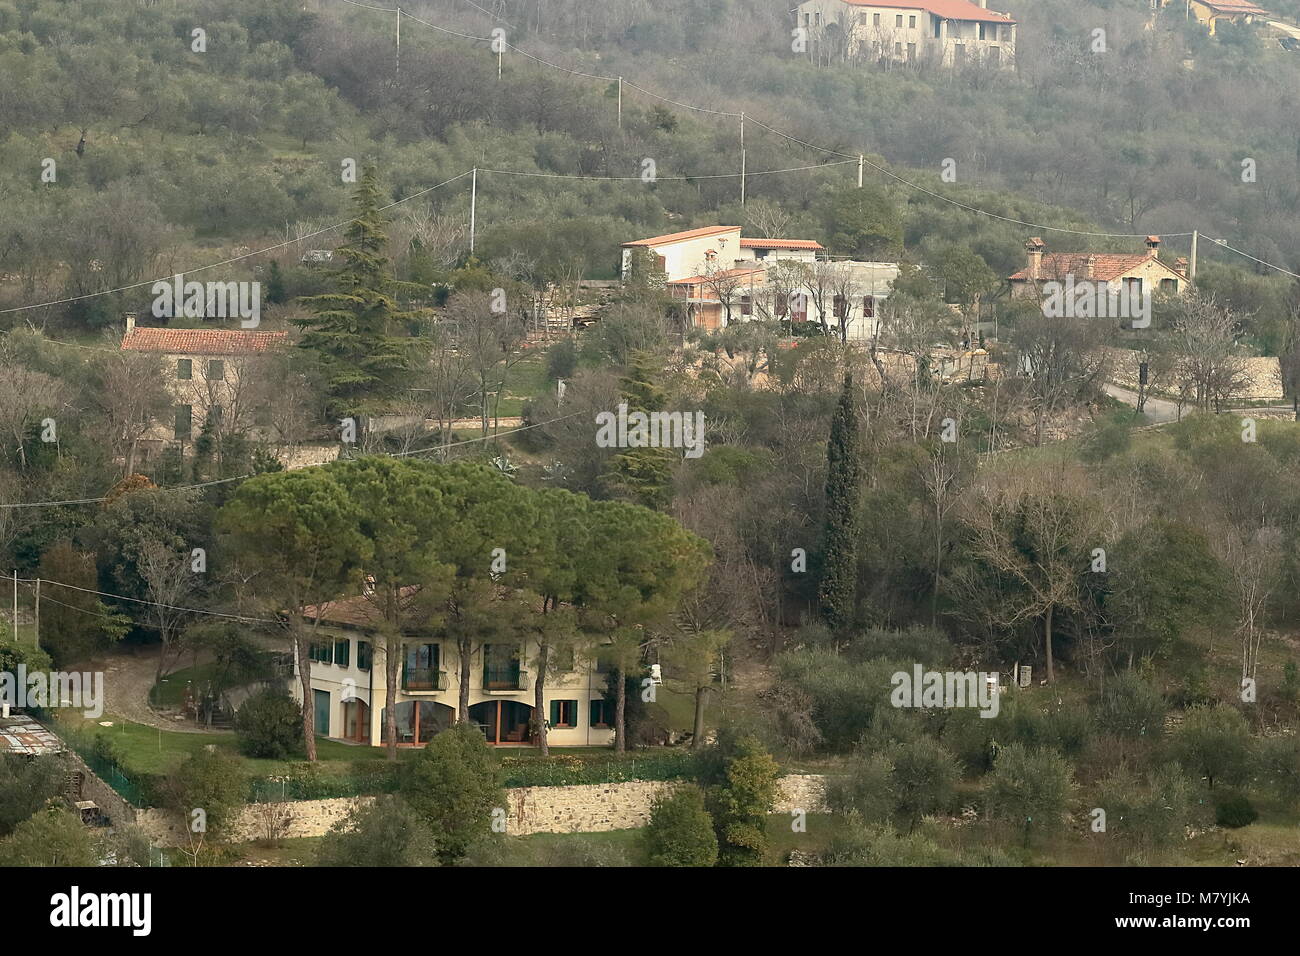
[209, 375]
[1210, 13]
[939, 32]
[1134, 274]
[348, 682]
[722, 277]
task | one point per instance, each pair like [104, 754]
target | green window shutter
[555, 712]
[342, 652]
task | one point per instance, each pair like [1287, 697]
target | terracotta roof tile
[203, 341]
[781, 244]
[947, 9]
[1097, 266]
[682, 236]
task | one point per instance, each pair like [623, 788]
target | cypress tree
[838, 588]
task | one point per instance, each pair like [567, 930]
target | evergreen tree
[276, 293]
[838, 588]
[354, 329]
[641, 475]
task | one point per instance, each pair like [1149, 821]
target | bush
[454, 785]
[1214, 742]
[680, 832]
[1030, 788]
[211, 781]
[269, 725]
[383, 832]
[742, 789]
[1130, 708]
[1235, 810]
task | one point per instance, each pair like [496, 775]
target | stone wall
[579, 809]
[109, 801]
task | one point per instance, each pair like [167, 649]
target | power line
[222, 481]
[239, 258]
[659, 179]
[169, 607]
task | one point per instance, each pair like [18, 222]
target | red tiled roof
[946, 9]
[780, 244]
[1234, 6]
[727, 274]
[203, 341]
[1081, 265]
[682, 236]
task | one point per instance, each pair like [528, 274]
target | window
[868, 307]
[602, 714]
[564, 713]
[982, 31]
[184, 421]
[862, 19]
[421, 669]
[184, 370]
[898, 49]
[807, 19]
[911, 52]
[746, 305]
[1169, 286]
[818, 18]
[321, 653]
[875, 22]
[1133, 291]
[364, 655]
[342, 652]
[898, 20]
[501, 667]
[216, 370]
[799, 307]
[911, 22]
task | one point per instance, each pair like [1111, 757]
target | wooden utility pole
[473, 209]
[742, 158]
[861, 161]
[36, 639]
[397, 67]
[620, 102]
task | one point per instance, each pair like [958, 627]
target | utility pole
[1191, 263]
[473, 209]
[620, 102]
[397, 71]
[500, 53]
[37, 638]
[861, 161]
[742, 158]
[15, 605]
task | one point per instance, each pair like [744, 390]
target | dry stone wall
[579, 809]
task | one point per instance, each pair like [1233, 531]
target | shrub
[1030, 788]
[742, 789]
[1234, 810]
[269, 725]
[1214, 742]
[49, 838]
[1130, 708]
[454, 785]
[213, 782]
[382, 832]
[680, 832]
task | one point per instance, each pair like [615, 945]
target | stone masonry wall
[578, 809]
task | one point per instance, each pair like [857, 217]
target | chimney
[1089, 268]
[1181, 264]
[130, 321]
[1153, 246]
[1035, 268]
[984, 4]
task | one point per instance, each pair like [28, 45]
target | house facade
[1133, 274]
[349, 687]
[1211, 13]
[720, 277]
[937, 32]
[210, 374]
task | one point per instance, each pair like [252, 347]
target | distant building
[1135, 273]
[348, 686]
[1210, 13]
[938, 32]
[208, 374]
[722, 277]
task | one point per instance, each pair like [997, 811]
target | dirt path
[128, 678]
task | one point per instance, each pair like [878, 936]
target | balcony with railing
[505, 678]
[423, 679]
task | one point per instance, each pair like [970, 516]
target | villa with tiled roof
[1140, 272]
[937, 32]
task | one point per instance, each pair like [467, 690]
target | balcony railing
[505, 678]
[423, 678]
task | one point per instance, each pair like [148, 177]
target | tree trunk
[1047, 640]
[392, 649]
[308, 699]
[464, 646]
[539, 700]
[620, 709]
[697, 736]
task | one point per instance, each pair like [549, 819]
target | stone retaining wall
[578, 809]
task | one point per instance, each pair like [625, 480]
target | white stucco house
[938, 32]
[348, 684]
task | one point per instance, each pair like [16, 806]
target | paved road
[1285, 28]
[1159, 410]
